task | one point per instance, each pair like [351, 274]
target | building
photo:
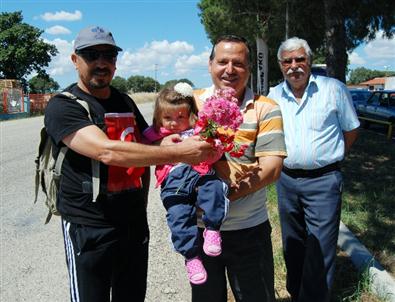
[374, 84]
[389, 83]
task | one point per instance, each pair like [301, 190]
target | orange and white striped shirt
[262, 131]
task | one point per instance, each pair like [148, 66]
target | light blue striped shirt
[314, 128]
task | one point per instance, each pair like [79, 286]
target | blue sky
[163, 39]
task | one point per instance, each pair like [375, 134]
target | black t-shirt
[63, 117]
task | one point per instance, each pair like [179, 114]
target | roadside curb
[382, 283]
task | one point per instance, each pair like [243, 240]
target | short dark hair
[231, 38]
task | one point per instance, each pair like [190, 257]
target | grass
[369, 203]
[368, 210]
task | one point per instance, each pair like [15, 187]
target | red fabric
[122, 126]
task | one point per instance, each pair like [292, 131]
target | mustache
[100, 70]
[299, 69]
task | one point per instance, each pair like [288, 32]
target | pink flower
[219, 118]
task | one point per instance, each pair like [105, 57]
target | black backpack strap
[95, 164]
[43, 140]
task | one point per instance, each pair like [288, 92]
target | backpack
[48, 167]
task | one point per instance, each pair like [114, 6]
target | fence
[38, 102]
[13, 103]
[390, 124]
[12, 100]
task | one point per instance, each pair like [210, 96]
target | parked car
[359, 96]
[319, 69]
[379, 106]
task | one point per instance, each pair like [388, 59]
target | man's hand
[193, 150]
[170, 140]
[267, 172]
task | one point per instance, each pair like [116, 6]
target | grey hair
[292, 44]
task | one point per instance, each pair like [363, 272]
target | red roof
[356, 86]
[375, 81]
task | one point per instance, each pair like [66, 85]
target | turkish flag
[122, 126]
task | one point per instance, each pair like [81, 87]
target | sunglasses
[91, 55]
[298, 60]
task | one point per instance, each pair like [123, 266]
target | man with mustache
[320, 126]
[247, 256]
[106, 238]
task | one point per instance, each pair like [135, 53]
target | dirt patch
[144, 97]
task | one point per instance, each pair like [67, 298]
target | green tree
[22, 51]
[173, 82]
[186, 81]
[120, 83]
[244, 18]
[362, 74]
[332, 27]
[348, 23]
[142, 84]
[359, 75]
[256, 18]
[42, 84]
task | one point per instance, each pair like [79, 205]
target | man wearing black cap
[106, 238]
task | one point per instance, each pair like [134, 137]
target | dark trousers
[310, 214]
[247, 259]
[107, 261]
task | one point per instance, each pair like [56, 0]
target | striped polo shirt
[262, 131]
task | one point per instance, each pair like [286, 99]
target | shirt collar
[247, 100]
[312, 83]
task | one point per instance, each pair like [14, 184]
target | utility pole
[386, 70]
[156, 68]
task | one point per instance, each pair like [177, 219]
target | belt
[301, 173]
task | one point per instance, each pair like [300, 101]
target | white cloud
[154, 55]
[58, 30]
[356, 59]
[380, 48]
[376, 54]
[185, 64]
[61, 64]
[175, 47]
[163, 59]
[62, 16]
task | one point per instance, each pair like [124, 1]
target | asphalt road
[32, 261]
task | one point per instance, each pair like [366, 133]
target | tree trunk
[336, 59]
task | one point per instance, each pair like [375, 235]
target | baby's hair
[169, 99]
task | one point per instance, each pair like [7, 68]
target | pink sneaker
[212, 243]
[196, 271]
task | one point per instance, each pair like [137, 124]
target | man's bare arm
[349, 138]
[269, 171]
[94, 143]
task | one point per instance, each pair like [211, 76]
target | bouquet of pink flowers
[219, 120]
